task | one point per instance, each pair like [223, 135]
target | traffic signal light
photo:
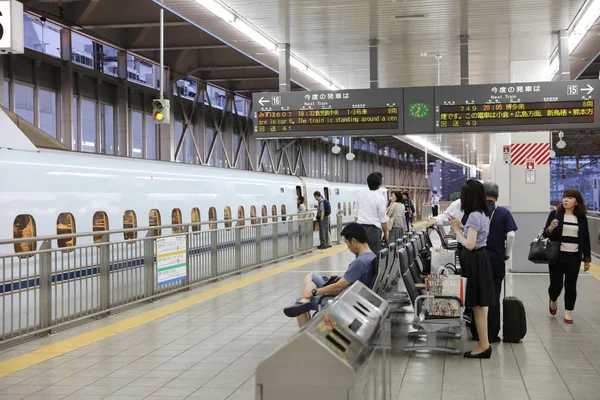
[161, 111]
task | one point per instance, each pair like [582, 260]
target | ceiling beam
[264, 78]
[226, 67]
[130, 25]
[88, 11]
[179, 48]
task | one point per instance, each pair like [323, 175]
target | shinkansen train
[47, 192]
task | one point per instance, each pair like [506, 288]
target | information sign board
[516, 107]
[330, 113]
[171, 255]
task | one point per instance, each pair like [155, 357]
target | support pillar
[464, 59]
[284, 68]
[3, 101]
[166, 133]
[374, 63]
[564, 68]
[123, 140]
[66, 133]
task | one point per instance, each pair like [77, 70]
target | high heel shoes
[552, 312]
[484, 354]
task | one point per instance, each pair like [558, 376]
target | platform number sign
[11, 27]
[572, 90]
[276, 100]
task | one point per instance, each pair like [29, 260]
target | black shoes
[495, 340]
[298, 309]
[321, 247]
[483, 355]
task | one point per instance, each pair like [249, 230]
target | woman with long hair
[472, 232]
[568, 225]
[396, 212]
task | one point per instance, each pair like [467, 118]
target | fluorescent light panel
[419, 140]
[229, 16]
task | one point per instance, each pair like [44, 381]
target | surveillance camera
[43, 19]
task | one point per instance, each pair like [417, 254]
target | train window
[212, 216]
[24, 227]
[196, 218]
[227, 217]
[100, 223]
[283, 213]
[345, 209]
[154, 220]
[65, 223]
[253, 215]
[241, 216]
[274, 213]
[264, 214]
[129, 222]
[176, 219]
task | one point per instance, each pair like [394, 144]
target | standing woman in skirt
[396, 212]
[568, 226]
[472, 232]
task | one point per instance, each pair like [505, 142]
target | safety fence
[54, 286]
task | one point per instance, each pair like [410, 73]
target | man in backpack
[410, 210]
[323, 212]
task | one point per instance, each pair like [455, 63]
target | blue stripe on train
[30, 283]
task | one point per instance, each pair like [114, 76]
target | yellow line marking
[24, 361]
[172, 253]
[594, 271]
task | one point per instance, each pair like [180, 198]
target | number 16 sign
[530, 171]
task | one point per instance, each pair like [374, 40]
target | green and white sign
[170, 259]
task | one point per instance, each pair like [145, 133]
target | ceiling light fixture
[417, 141]
[228, 15]
[561, 144]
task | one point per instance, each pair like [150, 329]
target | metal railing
[594, 228]
[51, 287]
[428, 214]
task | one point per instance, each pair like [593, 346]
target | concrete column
[499, 171]
[374, 63]
[529, 202]
[564, 68]
[464, 59]
[65, 117]
[284, 68]
[3, 101]
[200, 117]
[122, 111]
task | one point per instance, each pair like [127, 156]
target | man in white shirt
[443, 219]
[370, 212]
[435, 203]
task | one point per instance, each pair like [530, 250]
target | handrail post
[258, 237]
[188, 259]
[214, 253]
[238, 247]
[46, 285]
[339, 227]
[291, 241]
[275, 244]
[104, 272]
[149, 270]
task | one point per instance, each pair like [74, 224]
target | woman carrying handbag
[568, 226]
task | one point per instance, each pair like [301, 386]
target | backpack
[326, 207]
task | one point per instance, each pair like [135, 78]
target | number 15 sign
[12, 37]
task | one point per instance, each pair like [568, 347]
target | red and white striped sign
[540, 152]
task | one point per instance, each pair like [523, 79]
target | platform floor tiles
[210, 350]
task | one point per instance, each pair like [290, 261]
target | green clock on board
[418, 110]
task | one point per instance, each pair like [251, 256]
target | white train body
[44, 183]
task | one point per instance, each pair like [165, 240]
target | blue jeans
[320, 282]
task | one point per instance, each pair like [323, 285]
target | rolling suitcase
[514, 322]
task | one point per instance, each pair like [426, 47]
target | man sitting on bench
[361, 269]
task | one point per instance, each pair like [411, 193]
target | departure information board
[363, 112]
[444, 109]
[517, 107]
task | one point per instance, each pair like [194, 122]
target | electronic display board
[516, 107]
[363, 112]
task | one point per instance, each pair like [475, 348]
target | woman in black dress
[472, 232]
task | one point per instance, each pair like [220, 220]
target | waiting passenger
[361, 269]
[499, 247]
[301, 206]
[435, 204]
[323, 212]
[569, 226]
[396, 212]
[370, 212]
[475, 262]
[410, 209]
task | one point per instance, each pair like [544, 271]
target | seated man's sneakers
[298, 309]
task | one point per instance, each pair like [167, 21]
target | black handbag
[543, 250]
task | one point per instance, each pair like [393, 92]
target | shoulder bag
[543, 250]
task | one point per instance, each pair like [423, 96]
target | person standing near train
[370, 212]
